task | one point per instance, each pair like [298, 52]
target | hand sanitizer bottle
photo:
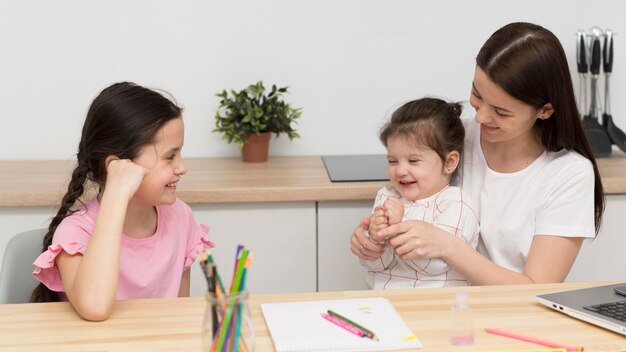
[461, 332]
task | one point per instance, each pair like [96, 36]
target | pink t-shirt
[150, 267]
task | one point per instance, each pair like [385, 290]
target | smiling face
[163, 159]
[416, 172]
[503, 118]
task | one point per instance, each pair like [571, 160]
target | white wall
[348, 63]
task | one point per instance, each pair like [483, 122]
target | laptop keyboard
[615, 310]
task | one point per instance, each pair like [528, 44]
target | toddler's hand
[378, 220]
[124, 177]
[394, 210]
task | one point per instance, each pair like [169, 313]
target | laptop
[352, 168]
[604, 306]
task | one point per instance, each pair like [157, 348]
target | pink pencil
[344, 325]
[536, 340]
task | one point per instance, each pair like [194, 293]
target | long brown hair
[121, 120]
[529, 63]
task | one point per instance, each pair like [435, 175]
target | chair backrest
[16, 278]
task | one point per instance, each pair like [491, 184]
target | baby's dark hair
[428, 122]
[121, 120]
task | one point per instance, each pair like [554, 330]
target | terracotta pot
[256, 148]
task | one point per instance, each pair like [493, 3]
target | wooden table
[28, 183]
[174, 324]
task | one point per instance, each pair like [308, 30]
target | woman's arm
[185, 284]
[550, 258]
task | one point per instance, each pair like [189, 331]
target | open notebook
[299, 326]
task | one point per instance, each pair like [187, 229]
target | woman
[527, 164]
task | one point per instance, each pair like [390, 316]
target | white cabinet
[339, 269]
[282, 235]
[604, 258]
[304, 246]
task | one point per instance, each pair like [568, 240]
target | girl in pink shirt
[135, 239]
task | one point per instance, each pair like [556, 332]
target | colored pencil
[212, 290]
[536, 340]
[226, 314]
[242, 288]
[219, 280]
[345, 325]
[538, 349]
[234, 288]
[368, 332]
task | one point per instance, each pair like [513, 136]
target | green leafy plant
[252, 111]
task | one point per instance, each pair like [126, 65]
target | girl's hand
[362, 246]
[415, 239]
[378, 220]
[124, 177]
[394, 210]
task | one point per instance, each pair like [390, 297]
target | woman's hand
[415, 239]
[362, 246]
[124, 176]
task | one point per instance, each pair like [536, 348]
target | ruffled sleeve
[199, 243]
[72, 236]
[46, 270]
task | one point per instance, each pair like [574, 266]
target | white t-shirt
[554, 195]
[449, 209]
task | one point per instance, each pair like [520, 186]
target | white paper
[299, 326]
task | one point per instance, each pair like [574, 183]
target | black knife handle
[608, 52]
[595, 56]
[581, 53]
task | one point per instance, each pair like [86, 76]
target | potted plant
[250, 116]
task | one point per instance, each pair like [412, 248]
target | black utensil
[617, 135]
[597, 136]
[583, 67]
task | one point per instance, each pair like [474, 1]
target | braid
[75, 190]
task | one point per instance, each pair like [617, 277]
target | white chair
[16, 278]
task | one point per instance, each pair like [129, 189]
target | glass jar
[227, 324]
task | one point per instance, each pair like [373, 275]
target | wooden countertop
[209, 180]
[175, 324]
[613, 172]
[28, 183]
